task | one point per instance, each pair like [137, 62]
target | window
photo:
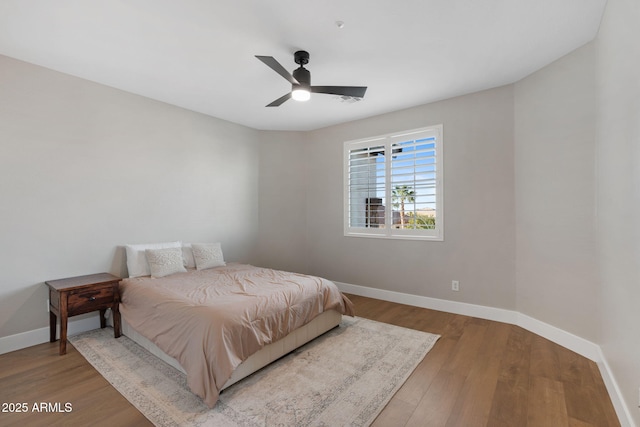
[393, 185]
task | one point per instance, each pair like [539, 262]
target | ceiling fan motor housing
[303, 76]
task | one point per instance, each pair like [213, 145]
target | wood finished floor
[479, 373]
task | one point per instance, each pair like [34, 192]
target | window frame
[387, 141]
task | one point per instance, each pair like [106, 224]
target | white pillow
[187, 254]
[163, 262]
[207, 255]
[137, 259]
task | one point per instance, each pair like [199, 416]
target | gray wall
[282, 238]
[479, 243]
[556, 264]
[618, 192]
[85, 168]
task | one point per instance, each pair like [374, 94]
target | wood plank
[475, 401]
[396, 413]
[436, 406]
[463, 356]
[546, 403]
[583, 403]
[577, 423]
[420, 380]
[509, 407]
[545, 359]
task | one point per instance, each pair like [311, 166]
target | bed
[222, 323]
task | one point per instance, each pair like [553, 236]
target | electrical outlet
[455, 285]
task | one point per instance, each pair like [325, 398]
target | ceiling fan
[301, 88]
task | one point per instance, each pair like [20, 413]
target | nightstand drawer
[86, 300]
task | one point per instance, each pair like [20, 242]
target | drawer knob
[92, 298]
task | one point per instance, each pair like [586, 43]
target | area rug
[343, 378]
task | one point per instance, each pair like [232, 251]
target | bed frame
[318, 326]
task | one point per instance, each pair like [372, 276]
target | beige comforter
[212, 320]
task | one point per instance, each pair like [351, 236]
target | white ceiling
[199, 54]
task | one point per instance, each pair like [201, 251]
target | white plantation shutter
[393, 185]
[366, 164]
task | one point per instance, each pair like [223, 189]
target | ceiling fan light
[301, 94]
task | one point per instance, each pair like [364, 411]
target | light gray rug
[343, 378]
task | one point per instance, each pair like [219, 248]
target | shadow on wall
[119, 263]
[29, 299]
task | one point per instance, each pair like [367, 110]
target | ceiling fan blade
[271, 62]
[354, 91]
[280, 100]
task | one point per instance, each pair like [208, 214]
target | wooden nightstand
[82, 294]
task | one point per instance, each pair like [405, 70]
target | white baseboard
[572, 342]
[483, 312]
[39, 336]
[622, 410]
[566, 339]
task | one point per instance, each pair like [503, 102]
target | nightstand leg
[103, 320]
[52, 326]
[63, 332]
[117, 331]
